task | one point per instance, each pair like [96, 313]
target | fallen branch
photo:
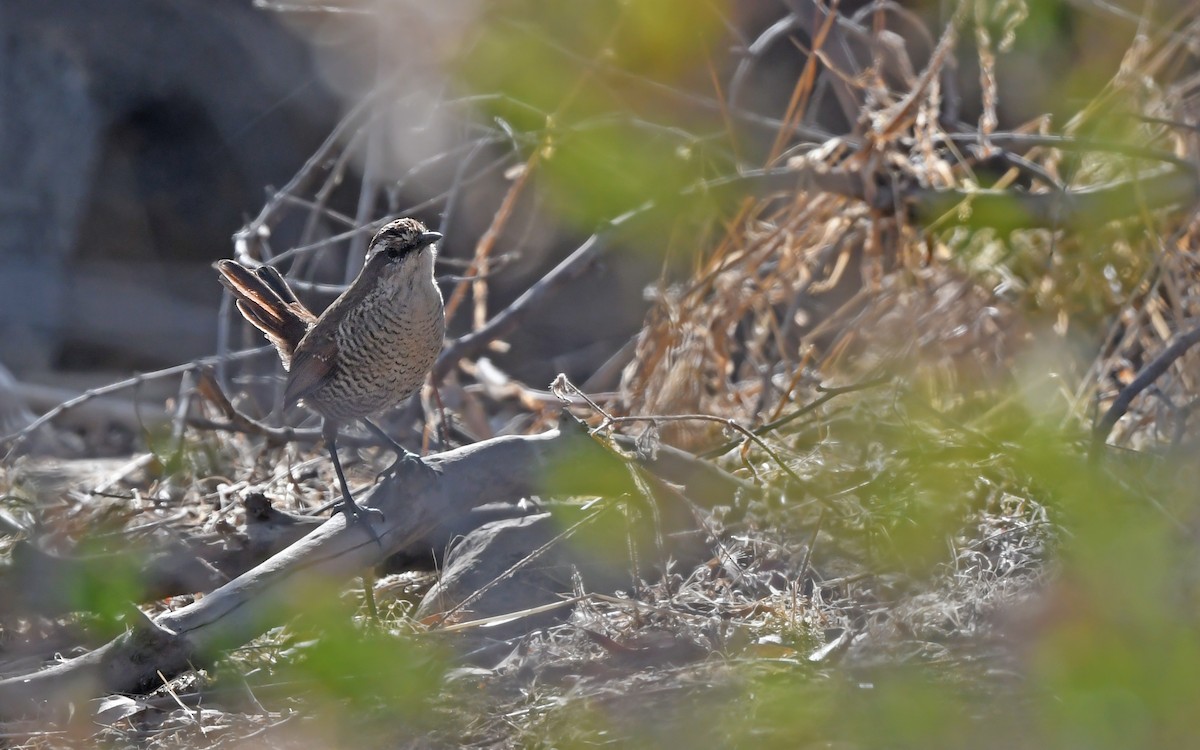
[414, 502]
[261, 598]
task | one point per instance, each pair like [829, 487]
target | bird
[369, 351]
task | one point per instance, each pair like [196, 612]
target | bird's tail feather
[266, 301]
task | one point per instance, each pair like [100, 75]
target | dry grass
[907, 522]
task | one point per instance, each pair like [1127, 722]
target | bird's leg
[354, 513]
[400, 450]
[404, 457]
[352, 510]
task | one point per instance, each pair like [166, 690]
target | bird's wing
[311, 364]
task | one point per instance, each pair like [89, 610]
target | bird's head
[402, 249]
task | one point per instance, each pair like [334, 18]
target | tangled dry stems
[799, 291]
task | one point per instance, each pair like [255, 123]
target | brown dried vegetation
[904, 375]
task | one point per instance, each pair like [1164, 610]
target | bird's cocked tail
[264, 298]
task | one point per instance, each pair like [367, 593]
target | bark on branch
[414, 503]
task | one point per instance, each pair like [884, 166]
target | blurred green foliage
[588, 87]
[105, 588]
[1104, 655]
[1107, 652]
[367, 680]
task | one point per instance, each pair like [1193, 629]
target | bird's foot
[406, 462]
[356, 513]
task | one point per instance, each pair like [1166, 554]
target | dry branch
[414, 502]
[500, 469]
[573, 266]
[1145, 378]
[1010, 210]
[1000, 209]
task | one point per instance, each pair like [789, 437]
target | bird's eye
[393, 253]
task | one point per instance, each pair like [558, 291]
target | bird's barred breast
[383, 357]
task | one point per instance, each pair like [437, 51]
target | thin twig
[827, 395]
[18, 438]
[572, 267]
[1144, 379]
[561, 383]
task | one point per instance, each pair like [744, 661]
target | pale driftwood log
[413, 502]
[416, 504]
[37, 582]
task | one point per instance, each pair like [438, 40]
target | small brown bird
[369, 351]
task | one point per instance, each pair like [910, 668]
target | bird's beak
[428, 238]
